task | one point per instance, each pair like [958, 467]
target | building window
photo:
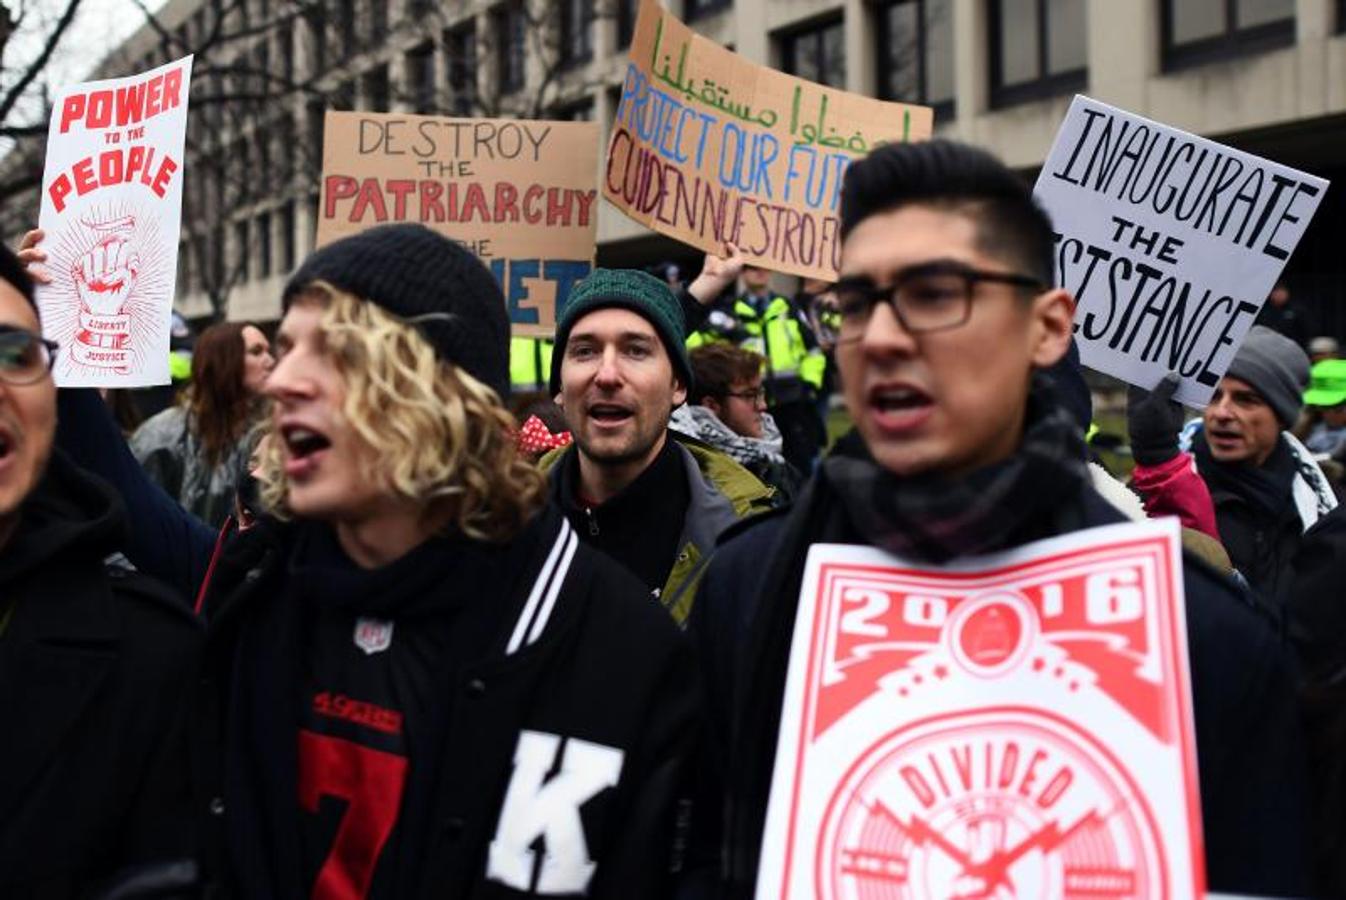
[285, 47]
[378, 89]
[508, 24]
[421, 78]
[915, 53]
[314, 125]
[460, 46]
[1201, 31]
[316, 19]
[578, 111]
[184, 268]
[1038, 49]
[626, 22]
[287, 248]
[378, 17]
[346, 27]
[695, 9]
[342, 97]
[816, 53]
[264, 245]
[1341, 16]
[576, 43]
[241, 249]
[263, 173]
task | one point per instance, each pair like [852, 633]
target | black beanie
[433, 283]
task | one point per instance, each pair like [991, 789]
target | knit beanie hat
[637, 291]
[1277, 368]
[433, 283]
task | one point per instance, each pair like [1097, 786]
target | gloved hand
[1153, 420]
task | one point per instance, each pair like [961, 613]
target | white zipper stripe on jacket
[543, 576]
[558, 577]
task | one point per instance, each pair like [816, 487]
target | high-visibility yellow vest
[529, 363]
[777, 334]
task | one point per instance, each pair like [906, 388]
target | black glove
[1153, 420]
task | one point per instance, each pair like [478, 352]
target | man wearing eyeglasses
[961, 447]
[726, 408]
[94, 790]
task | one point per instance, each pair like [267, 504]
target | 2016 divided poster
[1018, 725]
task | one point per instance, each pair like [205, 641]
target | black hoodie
[94, 660]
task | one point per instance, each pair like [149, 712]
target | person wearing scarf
[1252, 479]
[961, 447]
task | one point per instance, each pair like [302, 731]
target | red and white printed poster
[112, 208]
[1014, 726]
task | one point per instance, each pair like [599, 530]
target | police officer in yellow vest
[529, 364]
[771, 325]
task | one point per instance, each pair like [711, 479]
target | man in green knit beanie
[620, 368]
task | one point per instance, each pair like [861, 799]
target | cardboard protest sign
[1169, 242]
[710, 148]
[112, 207]
[1018, 725]
[518, 194]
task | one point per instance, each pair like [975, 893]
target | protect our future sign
[710, 148]
[112, 207]
[1018, 725]
[519, 194]
[1169, 242]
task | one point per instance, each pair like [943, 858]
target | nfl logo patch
[373, 635]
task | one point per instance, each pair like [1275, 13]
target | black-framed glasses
[754, 395]
[25, 357]
[933, 296]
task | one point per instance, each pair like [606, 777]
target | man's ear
[713, 404]
[679, 391]
[1053, 315]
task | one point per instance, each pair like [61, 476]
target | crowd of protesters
[344, 624]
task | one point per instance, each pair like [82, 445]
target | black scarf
[1033, 494]
[1268, 488]
[937, 519]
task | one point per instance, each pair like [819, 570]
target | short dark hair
[950, 175]
[14, 271]
[717, 367]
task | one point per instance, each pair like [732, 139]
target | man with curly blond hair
[426, 684]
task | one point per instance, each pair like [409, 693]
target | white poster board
[112, 208]
[1169, 242]
[1018, 725]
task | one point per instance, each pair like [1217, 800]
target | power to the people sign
[1015, 726]
[112, 208]
[1169, 242]
[519, 194]
[711, 149]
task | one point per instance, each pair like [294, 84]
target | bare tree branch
[16, 91]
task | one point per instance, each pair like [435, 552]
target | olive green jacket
[722, 492]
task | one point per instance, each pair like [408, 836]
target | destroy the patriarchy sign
[111, 208]
[519, 194]
[1018, 725]
[1169, 242]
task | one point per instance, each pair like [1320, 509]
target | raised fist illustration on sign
[105, 275]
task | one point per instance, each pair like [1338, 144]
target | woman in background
[198, 451]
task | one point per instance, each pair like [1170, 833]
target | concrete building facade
[1268, 76]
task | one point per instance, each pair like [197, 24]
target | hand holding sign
[106, 275]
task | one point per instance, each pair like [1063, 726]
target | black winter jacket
[1250, 752]
[587, 659]
[95, 664]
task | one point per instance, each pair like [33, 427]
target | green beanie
[640, 292]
